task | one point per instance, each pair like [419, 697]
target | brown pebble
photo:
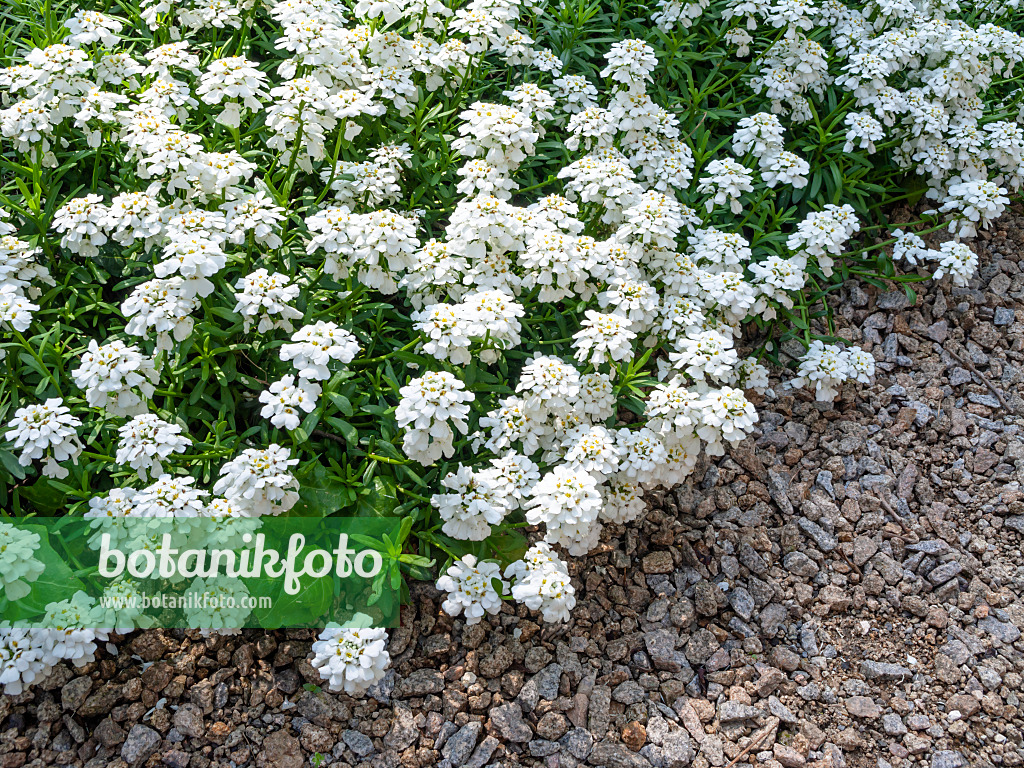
[634, 736]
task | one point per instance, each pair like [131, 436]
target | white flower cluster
[826, 367]
[351, 660]
[18, 565]
[312, 349]
[918, 77]
[470, 588]
[49, 431]
[27, 655]
[540, 582]
[109, 373]
[953, 257]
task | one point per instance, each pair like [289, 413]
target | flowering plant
[401, 258]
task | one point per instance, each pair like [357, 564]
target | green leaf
[320, 494]
[10, 462]
[42, 495]
[507, 546]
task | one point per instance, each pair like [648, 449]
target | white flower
[315, 346]
[603, 338]
[121, 607]
[784, 168]
[81, 221]
[15, 310]
[591, 449]
[374, 183]
[825, 232]
[476, 501]
[438, 270]
[286, 400]
[655, 221]
[776, 278]
[673, 411]
[18, 268]
[642, 452]
[630, 63]
[235, 81]
[87, 27]
[47, 430]
[672, 12]
[542, 583]
[975, 201]
[257, 214]
[25, 657]
[259, 480]
[518, 474]
[75, 634]
[726, 415]
[108, 514]
[470, 588]
[110, 373]
[481, 178]
[726, 181]
[133, 216]
[222, 603]
[596, 399]
[750, 374]
[592, 127]
[500, 134]
[428, 404]
[264, 295]
[493, 318]
[728, 292]
[163, 306]
[18, 565]
[760, 134]
[191, 256]
[170, 497]
[512, 422]
[910, 247]
[705, 354]
[551, 264]
[567, 502]
[714, 249]
[146, 440]
[549, 384]
[864, 128]
[826, 367]
[575, 93]
[380, 246]
[636, 300]
[623, 501]
[742, 40]
[351, 660]
[958, 260]
[861, 365]
[447, 332]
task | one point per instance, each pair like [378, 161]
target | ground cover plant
[479, 266]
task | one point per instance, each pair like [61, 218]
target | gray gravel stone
[1004, 630]
[141, 742]
[614, 755]
[948, 759]
[885, 672]
[508, 721]
[461, 744]
[360, 744]
[826, 541]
